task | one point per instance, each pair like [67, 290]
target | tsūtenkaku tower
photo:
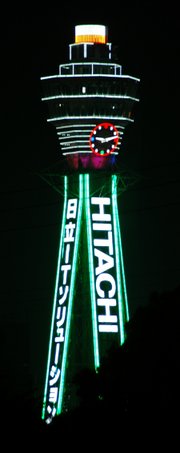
[90, 104]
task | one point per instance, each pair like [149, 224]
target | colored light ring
[113, 142]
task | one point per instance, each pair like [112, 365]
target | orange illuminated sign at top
[91, 33]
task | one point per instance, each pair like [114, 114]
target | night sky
[33, 44]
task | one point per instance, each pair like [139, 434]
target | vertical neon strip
[123, 274]
[71, 296]
[91, 272]
[122, 260]
[117, 258]
[55, 295]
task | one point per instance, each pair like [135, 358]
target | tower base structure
[90, 307]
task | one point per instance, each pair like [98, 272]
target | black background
[33, 44]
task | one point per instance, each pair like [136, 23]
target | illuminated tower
[90, 103]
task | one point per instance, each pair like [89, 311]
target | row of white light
[84, 152]
[81, 125]
[117, 69]
[85, 48]
[84, 96]
[83, 117]
[69, 136]
[59, 76]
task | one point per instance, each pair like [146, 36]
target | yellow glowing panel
[90, 33]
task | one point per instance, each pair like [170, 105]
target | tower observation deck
[90, 103]
[89, 89]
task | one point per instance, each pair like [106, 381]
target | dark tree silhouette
[140, 381]
[137, 386]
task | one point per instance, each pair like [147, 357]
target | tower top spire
[91, 33]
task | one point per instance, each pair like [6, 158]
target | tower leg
[90, 209]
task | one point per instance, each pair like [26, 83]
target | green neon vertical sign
[71, 296]
[121, 255]
[91, 271]
[118, 258]
[55, 293]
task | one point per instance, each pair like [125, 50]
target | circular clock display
[104, 139]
